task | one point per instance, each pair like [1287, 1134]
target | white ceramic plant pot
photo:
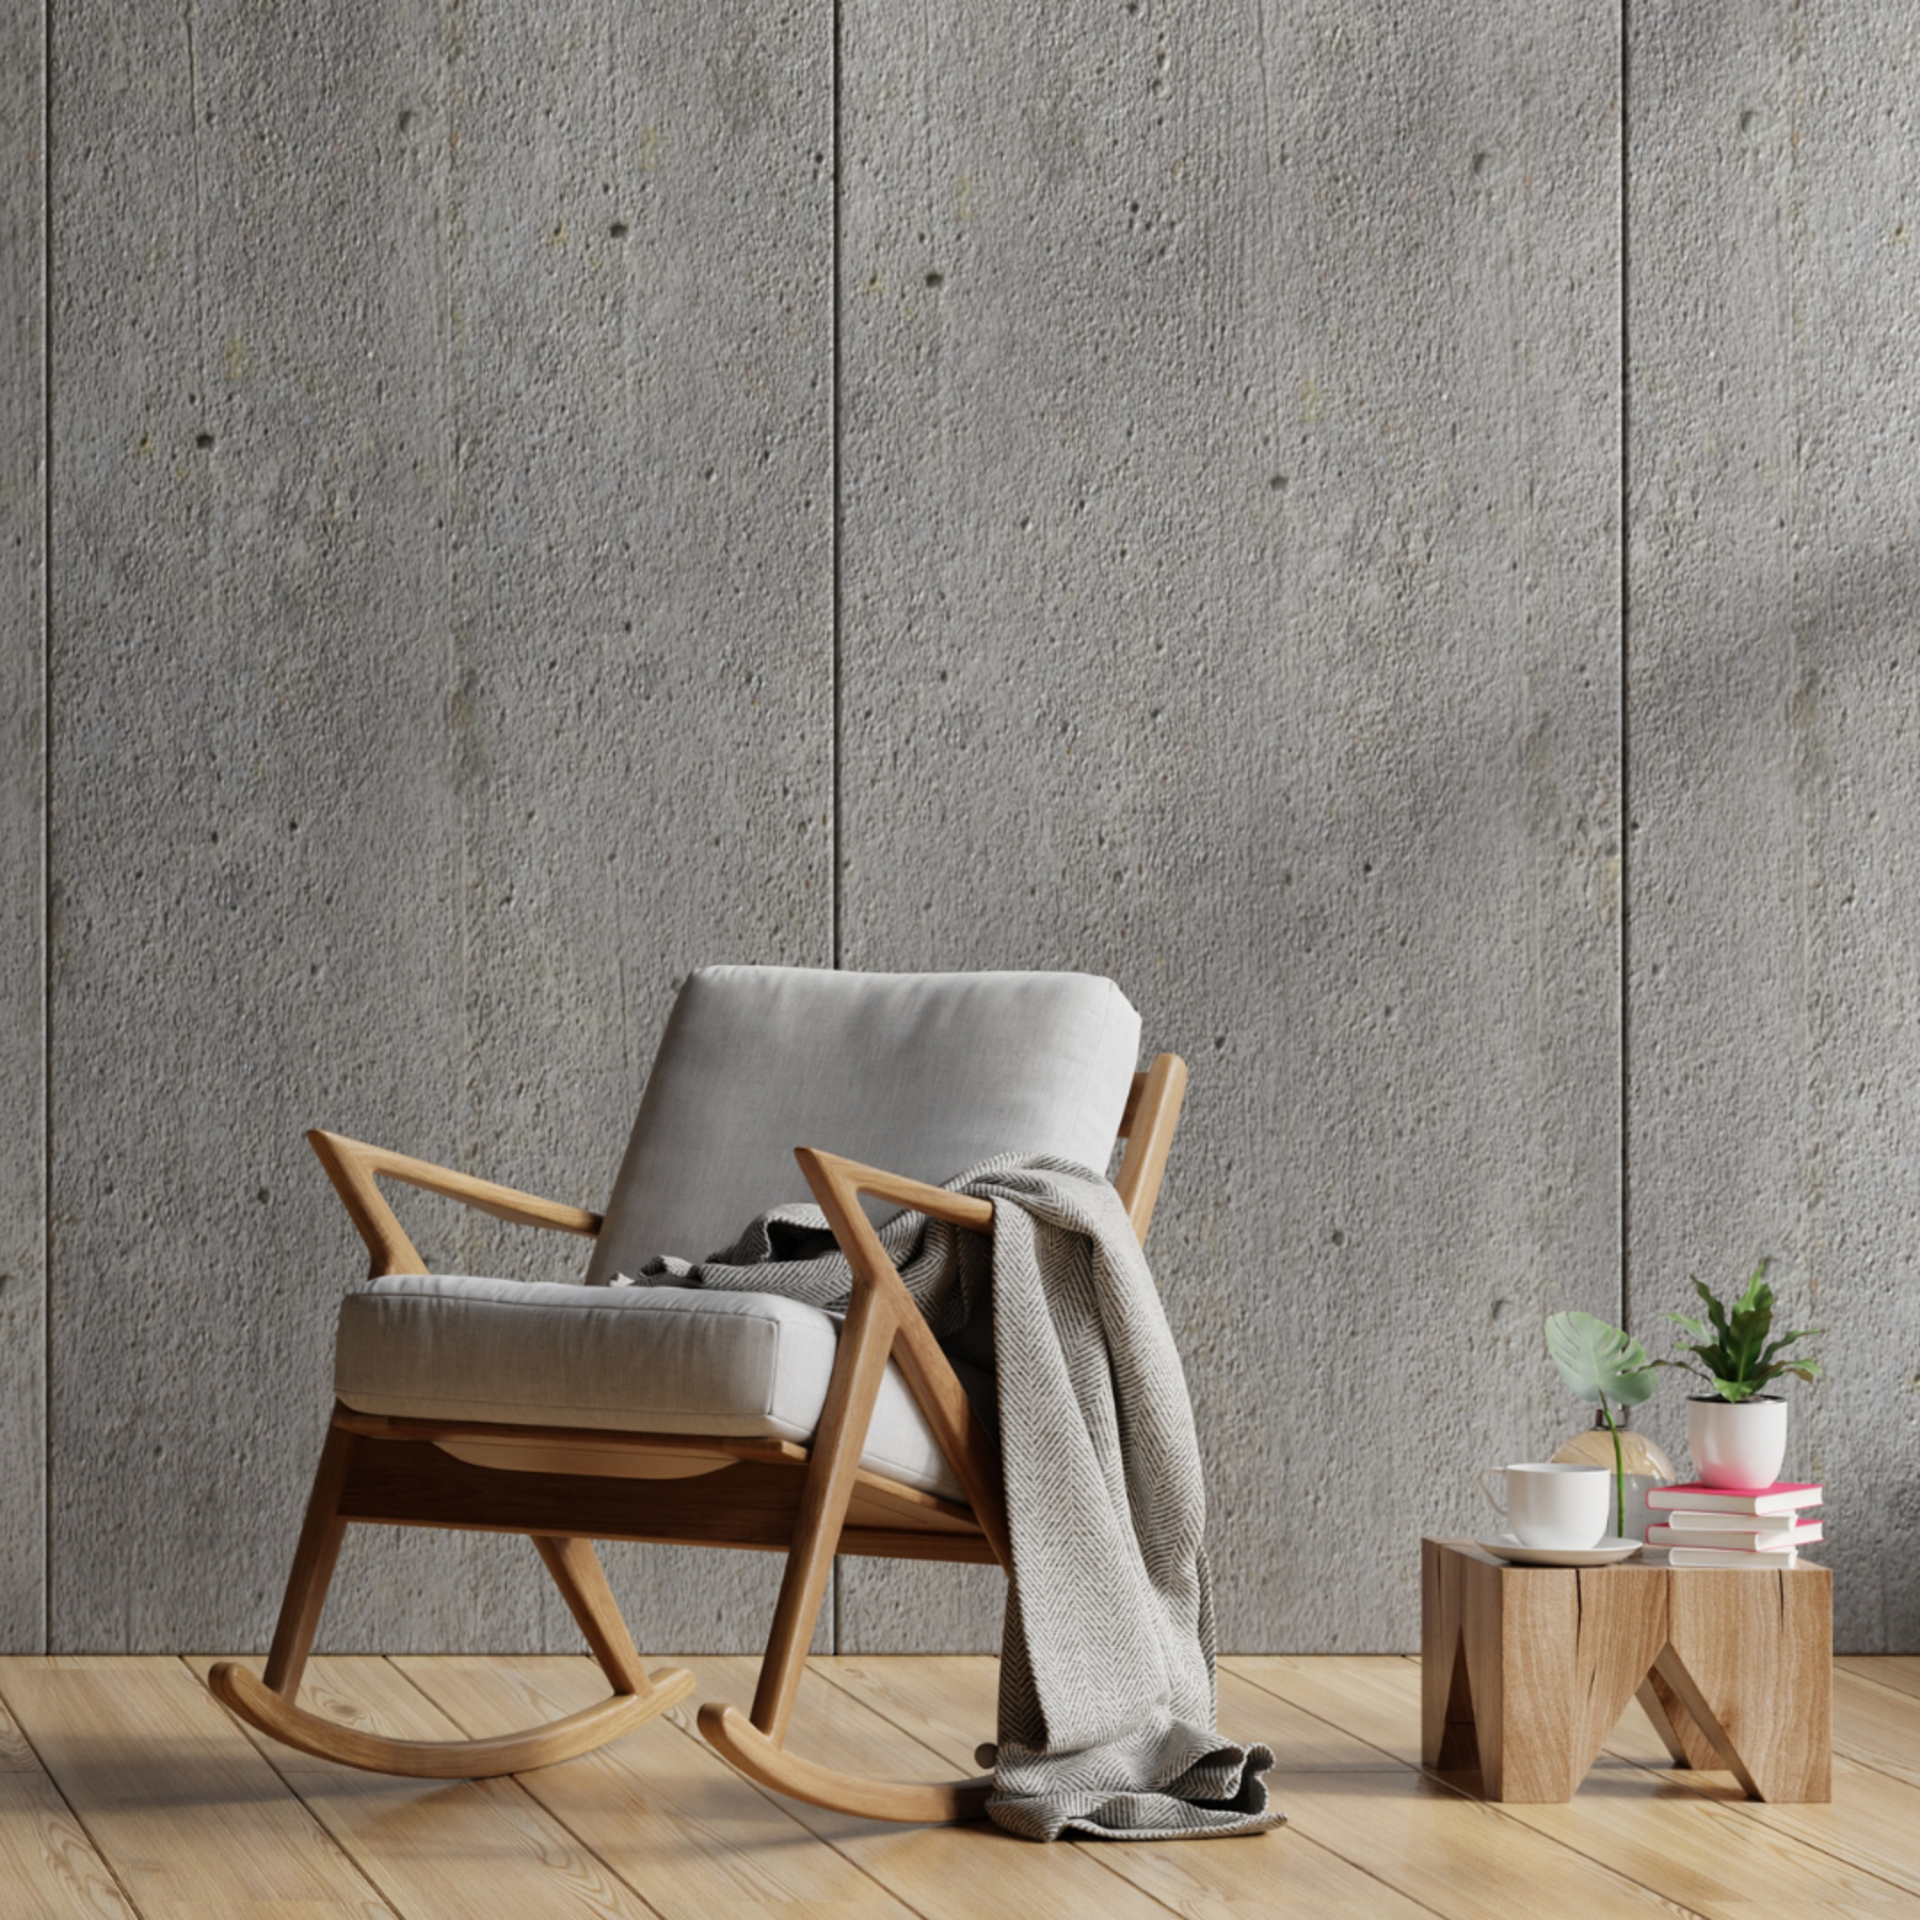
[1737, 1443]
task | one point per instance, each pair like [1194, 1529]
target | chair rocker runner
[574, 1479]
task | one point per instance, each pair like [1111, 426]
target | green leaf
[1735, 1390]
[1758, 1296]
[1786, 1340]
[1599, 1362]
[1715, 1311]
[1698, 1328]
[1746, 1337]
[1804, 1369]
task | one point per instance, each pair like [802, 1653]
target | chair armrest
[878, 1290]
[961, 1209]
[352, 1166]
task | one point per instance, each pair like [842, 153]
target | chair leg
[270, 1706]
[828, 1491]
[582, 1581]
[313, 1562]
[757, 1745]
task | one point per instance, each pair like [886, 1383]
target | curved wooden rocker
[271, 1705]
[565, 1488]
[939, 1803]
[542, 1746]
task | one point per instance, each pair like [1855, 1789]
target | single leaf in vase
[1599, 1362]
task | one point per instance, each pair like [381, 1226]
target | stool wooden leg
[1526, 1670]
[1448, 1740]
[1750, 1656]
[1678, 1732]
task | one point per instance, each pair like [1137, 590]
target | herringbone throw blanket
[1106, 1666]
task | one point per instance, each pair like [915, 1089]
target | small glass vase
[1645, 1466]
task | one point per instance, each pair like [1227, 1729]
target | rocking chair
[660, 1413]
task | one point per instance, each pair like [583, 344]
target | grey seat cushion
[925, 1074]
[642, 1359]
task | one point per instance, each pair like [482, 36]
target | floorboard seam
[46, 1773]
[1885, 1769]
[879, 1713]
[520, 1787]
[1606, 1866]
[1911, 1701]
[671, 1719]
[1361, 1867]
[931, 1701]
[778, 1803]
[1690, 1779]
[1492, 1806]
[293, 1793]
[1752, 1810]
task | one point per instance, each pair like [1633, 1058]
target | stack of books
[1733, 1527]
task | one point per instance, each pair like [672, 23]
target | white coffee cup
[1550, 1505]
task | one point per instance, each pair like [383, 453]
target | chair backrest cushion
[924, 1074]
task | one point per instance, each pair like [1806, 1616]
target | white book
[1712, 1531]
[1738, 1522]
[1723, 1557]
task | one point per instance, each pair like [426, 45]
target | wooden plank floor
[125, 1790]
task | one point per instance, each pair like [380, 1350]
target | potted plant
[1606, 1368]
[1738, 1434]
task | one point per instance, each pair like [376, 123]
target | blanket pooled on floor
[1107, 1702]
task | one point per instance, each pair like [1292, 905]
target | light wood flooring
[125, 1789]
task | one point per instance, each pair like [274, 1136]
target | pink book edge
[1739, 1493]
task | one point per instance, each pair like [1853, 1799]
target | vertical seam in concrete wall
[836, 226]
[459, 697]
[1626, 710]
[45, 1463]
[839, 500]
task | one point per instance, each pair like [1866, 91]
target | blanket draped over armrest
[1106, 1671]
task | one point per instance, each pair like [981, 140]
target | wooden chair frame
[809, 1502]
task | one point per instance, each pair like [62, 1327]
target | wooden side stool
[1525, 1671]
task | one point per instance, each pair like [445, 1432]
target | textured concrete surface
[1774, 701]
[443, 655]
[1232, 566]
[444, 658]
[23, 609]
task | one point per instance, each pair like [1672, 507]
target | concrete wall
[1774, 687]
[23, 636]
[482, 573]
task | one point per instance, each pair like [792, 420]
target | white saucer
[1505, 1547]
